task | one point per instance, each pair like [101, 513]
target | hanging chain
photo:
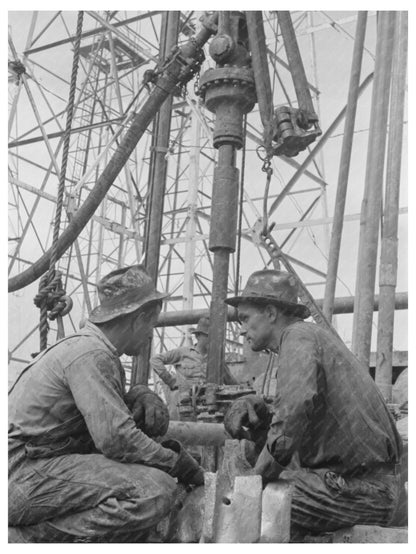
[267, 168]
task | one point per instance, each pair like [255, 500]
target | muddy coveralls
[331, 435]
[79, 469]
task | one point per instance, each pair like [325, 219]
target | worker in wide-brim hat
[189, 362]
[83, 462]
[328, 431]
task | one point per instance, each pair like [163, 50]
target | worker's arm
[297, 382]
[229, 379]
[94, 379]
[158, 363]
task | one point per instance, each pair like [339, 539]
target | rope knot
[52, 296]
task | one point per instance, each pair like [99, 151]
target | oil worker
[328, 431]
[83, 466]
[190, 363]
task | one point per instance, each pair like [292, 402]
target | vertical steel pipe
[229, 92]
[344, 167]
[388, 261]
[157, 182]
[160, 146]
[222, 243]
[189, 269]
[371, 204]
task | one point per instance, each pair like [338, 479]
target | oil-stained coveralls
[331, 435]
[78, 466]
[330, 432]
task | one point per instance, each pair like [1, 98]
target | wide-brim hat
[202, 327]
[124, 291]
[274, 287]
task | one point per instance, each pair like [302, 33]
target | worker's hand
[248, 418]
[149, 411]
[186, 469]
[173, 386]
[267, 467]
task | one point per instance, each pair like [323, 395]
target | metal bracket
[293, 131]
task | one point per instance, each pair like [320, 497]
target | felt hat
[269, 286]
[202, 327]
[123, 291]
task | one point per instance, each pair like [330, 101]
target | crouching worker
[82, 464]
[329, 431]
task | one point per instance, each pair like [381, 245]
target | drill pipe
[373, 191]
[157, 183]
[190, 432]
[344, 166]
[388, 258]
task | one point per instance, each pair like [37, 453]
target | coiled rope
[51, 296]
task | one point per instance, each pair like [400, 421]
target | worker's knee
[123, 517]
[159, 485]
[149, 481]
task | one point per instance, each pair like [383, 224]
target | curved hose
[164, 86]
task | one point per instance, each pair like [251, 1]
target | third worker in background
[190, 363]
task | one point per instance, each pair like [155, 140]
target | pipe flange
[228, 86]
[234, 75]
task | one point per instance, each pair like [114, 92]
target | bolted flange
[229, 92]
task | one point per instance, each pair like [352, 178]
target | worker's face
[202, 341]
[256, 326]
[142, 330]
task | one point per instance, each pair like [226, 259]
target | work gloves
[149, 411]
[186, 469]
[248, 418]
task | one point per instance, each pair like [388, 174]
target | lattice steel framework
[116, 50]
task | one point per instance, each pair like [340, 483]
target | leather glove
[248, 418]
[149, 411]
[186, 469]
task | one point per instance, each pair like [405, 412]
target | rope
[67, 135]
[50, 286]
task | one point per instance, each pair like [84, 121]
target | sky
[401, 341]
[333, 77]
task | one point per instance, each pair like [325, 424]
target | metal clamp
[293, 131]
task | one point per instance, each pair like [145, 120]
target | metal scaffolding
[120, 56]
